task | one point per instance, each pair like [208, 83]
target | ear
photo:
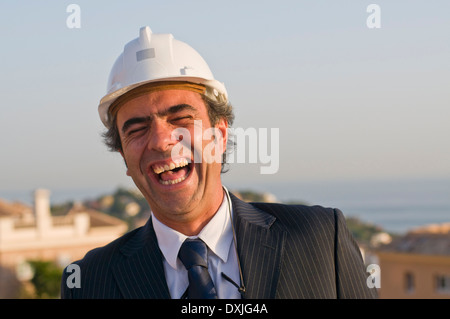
[123, 156]
[222, 125]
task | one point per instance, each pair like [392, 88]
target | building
[32, 233]
[417, 265]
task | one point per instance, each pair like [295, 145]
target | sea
[396, 206]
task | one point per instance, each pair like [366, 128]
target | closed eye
[131, 131]
[135, 124]
[181, 119]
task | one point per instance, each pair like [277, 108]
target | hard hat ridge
[145, 34]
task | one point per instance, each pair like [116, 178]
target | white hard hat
[157, 57]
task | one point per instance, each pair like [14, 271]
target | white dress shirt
[218, 236]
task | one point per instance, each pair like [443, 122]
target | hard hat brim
[108, 99]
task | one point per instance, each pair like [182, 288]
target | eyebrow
[171, 110]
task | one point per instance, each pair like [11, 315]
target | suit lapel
[140, 274]
[260, 247]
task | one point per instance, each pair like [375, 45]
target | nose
[161, 139]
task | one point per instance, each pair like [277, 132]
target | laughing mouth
[173, 172]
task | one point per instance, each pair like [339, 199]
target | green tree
[46, 279]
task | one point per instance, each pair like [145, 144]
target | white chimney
[42, 210]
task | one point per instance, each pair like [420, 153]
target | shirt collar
[217, 235]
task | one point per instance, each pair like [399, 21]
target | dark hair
[216, 111]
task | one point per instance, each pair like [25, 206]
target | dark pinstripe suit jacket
[285, 252]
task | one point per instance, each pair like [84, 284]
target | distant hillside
[362, 231]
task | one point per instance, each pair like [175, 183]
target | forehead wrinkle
[176, 108]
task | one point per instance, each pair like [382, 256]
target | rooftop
[427, 240]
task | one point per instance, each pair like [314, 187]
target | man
[168, 117]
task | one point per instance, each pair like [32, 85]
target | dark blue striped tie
[193, 255]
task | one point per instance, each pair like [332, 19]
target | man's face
[177, 188]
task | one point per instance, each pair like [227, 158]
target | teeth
[171, 166]
[174, 181]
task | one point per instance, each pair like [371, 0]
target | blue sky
[351, 103]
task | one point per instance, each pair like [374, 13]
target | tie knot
[193, 252]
